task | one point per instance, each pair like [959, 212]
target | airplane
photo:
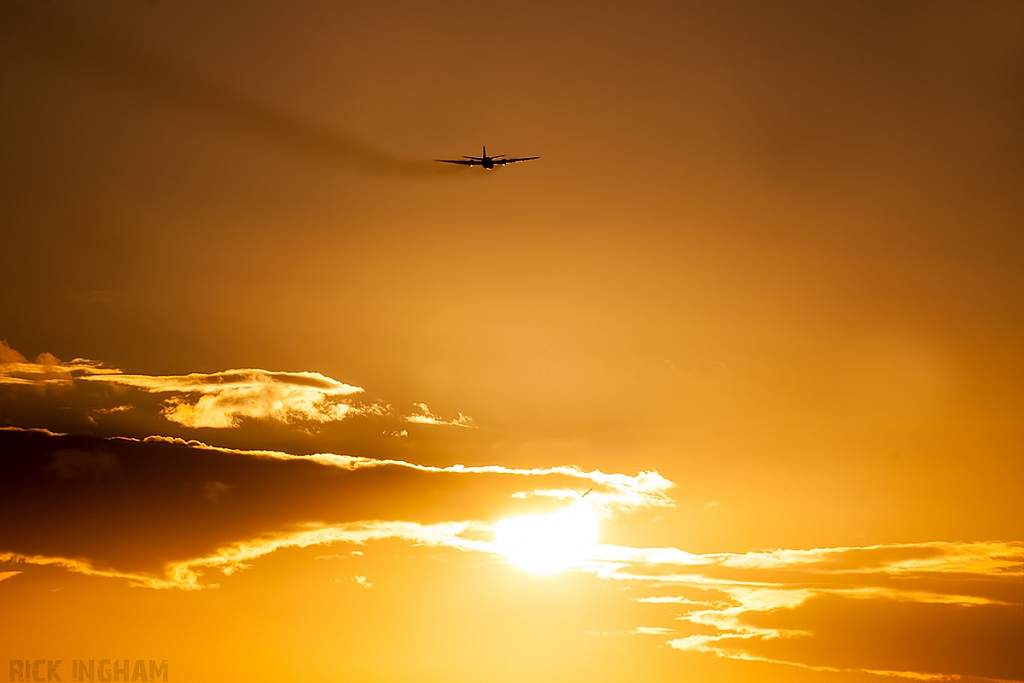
[487, 162]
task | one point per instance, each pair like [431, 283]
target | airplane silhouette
[487, 162]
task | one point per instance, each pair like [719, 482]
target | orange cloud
[9, 355]
[218, 400]
[425, 417]
[856, 604]
[823, 632]
[222, 399]
[46, 370]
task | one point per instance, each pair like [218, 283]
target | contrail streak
[148, 77]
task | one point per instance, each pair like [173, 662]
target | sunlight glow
[549, 543]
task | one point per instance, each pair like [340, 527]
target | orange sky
[271, 377]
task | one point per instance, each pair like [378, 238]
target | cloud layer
[169, 513]
[222, 399]
[216, 400]
[865, 609]
[138, 507]
[164, 513]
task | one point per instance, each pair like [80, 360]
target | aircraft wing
[464, 162]
[514, 160]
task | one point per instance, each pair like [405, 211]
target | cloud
[47, 370]
[188, 574]
[621, 492]
[9, 355]
[652, 631]
[675, 600]
[222, 399]
[215, 400]
[846, 609]
[166, 513]
[827, 632]
[135, 507]
[425, 417]
[214, 491]
[71, 463]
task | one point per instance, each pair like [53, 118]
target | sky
[726, 387]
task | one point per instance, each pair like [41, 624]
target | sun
[549, 543]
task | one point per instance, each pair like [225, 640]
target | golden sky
[724, 388]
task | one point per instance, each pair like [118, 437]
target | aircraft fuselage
[489, 163]
[486, 161]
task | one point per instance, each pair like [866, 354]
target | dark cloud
[136, 506]
[70, 463]
[889, 635]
